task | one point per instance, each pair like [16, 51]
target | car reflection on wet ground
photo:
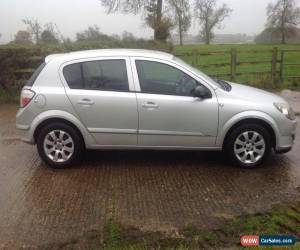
[153, 190]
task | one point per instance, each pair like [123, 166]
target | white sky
[71, 16]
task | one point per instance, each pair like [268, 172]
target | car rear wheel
[59, 145]
[248, 145]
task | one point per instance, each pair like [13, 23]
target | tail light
[26, 97]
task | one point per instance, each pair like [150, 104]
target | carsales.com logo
[267, 240]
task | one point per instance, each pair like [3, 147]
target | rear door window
[107, 75]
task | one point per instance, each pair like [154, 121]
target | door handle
[85, 101]
[150, 105]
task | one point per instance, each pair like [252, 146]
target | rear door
[101, 91]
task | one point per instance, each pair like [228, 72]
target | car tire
[248, 145]
[59, 145]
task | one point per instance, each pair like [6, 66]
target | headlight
[286, 110]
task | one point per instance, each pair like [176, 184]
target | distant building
[218, 39]
[273, 35]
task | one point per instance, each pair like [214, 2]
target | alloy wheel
[58, 146]
[249, 147]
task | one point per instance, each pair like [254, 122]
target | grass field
[245, 53]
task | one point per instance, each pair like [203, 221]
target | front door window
[160, 78]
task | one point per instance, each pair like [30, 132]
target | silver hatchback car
[142, 99]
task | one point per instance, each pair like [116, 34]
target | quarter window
[109, 75]
[73, 76]
[160, 78]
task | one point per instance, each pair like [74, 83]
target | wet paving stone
[42, 208]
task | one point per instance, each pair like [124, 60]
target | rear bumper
[23, 121]
[24, 133]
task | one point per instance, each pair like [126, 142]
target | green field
[210, 55]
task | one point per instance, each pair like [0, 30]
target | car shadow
[167, 158]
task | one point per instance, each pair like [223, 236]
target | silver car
[142, 99]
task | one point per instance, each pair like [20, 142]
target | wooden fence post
[233, 64]
[274, 64]
[281, 65]
[195, 57]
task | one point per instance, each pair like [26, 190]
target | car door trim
[112, 130]
[176, 133]
[145, 132]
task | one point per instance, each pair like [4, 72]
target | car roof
[64, 57]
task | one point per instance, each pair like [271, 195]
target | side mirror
[201, 92]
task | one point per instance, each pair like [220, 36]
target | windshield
[196, 71]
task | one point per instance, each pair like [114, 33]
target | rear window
[35, 75]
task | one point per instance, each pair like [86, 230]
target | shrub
[17, 60]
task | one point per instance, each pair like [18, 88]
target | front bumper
[285, 141]
[283, 150]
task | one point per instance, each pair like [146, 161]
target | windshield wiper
[224, 85]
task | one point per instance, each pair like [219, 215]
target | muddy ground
[152, 191]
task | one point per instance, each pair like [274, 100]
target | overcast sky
[71, 16]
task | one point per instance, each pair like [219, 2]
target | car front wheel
[248, 145]
[59, 145]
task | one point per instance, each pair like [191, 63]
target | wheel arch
[51, 116]
[263, 123]
[55, 120]
[258, 118]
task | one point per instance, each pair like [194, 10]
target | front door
[100, 92]
[169, 116]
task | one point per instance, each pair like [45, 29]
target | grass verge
[280, 220]
[8, 98]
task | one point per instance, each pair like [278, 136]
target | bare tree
[92, 33]
[210, 16]
[49, 35]
[156, 22]
[23, 37]
[60, 35]
[181, 9]
[282, 15]
[128, 36]
[162, 26]
[34, 28]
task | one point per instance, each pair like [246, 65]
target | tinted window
[105, 75]
[35, 75]
[73, 77]
[159, 78]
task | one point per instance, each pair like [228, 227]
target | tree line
[163, 16]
